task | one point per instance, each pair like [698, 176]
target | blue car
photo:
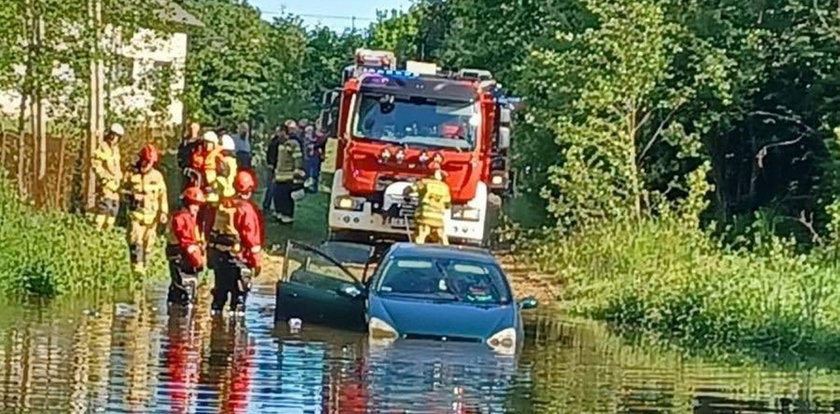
[413, 292]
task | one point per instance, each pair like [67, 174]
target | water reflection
[127, 354]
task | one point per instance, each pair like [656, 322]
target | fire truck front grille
[401, 210]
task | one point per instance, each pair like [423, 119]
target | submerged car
[413, 292]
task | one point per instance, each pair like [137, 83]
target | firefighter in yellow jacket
[147, 207]
[433, 195]
[108, 171]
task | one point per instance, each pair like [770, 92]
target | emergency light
[376, 59]
[390, 72]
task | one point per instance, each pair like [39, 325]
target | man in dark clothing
[271, 164]
[189, 145]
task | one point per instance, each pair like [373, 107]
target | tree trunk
[41, 115]
[632, 166]
[60, 194]
[3, 143]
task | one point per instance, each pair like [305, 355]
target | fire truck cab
[393, 126]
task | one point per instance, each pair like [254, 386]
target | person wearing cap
[288, 177]
[434, 200]
[243, 146]
[147, 207]
[185, 250]
[108, 171]
[237, 239]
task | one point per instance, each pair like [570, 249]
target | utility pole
[41, 130]
[96, 118]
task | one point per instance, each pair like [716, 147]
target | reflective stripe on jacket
[289, 161]
[106, 166]
[434, 200]
[147, 196]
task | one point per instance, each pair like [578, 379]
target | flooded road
[126, 355]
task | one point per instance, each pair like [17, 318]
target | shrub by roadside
[666, 278]
[49, 253]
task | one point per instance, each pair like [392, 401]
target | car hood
[419, 317]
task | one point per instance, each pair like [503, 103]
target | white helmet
[211, 137]
[227, 143]
[117, 129]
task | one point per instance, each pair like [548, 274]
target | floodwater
[130, 356]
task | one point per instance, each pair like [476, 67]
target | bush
[51, 253]
[667, 278]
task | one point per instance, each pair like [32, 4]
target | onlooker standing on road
[270, 165]
[243, 146]
[190, 173]
[313, 158]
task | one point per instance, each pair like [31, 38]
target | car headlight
[349, 203]
[504, 341]
[379, 329]
[465, 213]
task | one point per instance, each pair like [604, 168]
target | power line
[323, 16]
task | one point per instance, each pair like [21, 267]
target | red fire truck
[391, 125]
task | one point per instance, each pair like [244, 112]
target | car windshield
[444, 279]
[417, 121]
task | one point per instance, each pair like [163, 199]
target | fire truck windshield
[417, 121]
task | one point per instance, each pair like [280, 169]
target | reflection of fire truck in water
[395, 126]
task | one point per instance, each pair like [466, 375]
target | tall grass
[669, 279]
[49, 253]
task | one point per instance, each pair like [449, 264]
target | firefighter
[209, 160]
[108, 171]
[147, 206]
[185, 250]
[434, 198]
[226, 168]
[288, 177]
[236, 244]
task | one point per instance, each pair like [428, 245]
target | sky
[337, 14]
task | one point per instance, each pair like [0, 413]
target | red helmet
[149, 155]
[193, 195]
[245, 182]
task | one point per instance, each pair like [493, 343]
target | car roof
[442, 252]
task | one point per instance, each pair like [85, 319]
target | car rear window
[445, 279]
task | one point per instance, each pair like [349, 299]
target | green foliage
[665, 278]
[242, 68]
[53, 253]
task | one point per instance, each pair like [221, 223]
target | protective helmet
[211, 137]
[193, 195]
[117, 129]
[245, 182]
[149, 155]
[227, 143]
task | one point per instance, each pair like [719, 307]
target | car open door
[316, 288]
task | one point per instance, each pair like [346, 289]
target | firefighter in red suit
[185, 250]
[236, 246]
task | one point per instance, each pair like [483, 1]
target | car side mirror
[528, 303]
[504, 138]
[328, 99]
[350, 291]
